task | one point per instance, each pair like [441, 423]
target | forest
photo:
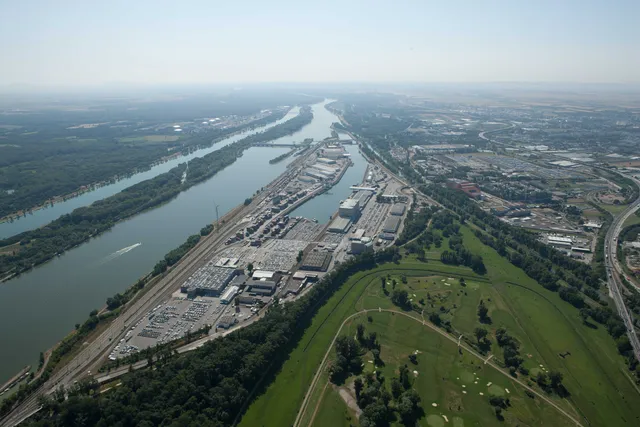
[45, 154]
[35, 247]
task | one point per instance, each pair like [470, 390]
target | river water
[40, 307]
[44, 216]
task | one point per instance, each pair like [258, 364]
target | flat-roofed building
[350, 208]
[316, 261]
[398, 209]
[339, 225]
[391, 224]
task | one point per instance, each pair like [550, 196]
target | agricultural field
[450, 379]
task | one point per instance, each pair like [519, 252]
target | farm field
[551, 334]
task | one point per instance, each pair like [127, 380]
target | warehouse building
[362, 245]
[315, 173]
[362, 196]
[226, 322]
[326, 161]
[332, 153]
[339, 225]
[391, 225]
[228, 295]
[209, 280]
[398, 209]
[261, 287]
[350, 208]
[316, 261]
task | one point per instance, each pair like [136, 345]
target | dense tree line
[40, 245]
[209, 386]
[282, 156]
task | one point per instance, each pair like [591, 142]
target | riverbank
[45, 303]
[39, 246]
[186, 150]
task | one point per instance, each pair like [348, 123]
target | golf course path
[317, 376]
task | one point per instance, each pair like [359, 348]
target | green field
[601, 391]
[151, 138]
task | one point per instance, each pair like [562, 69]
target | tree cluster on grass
[511, 350]
[379, 407]
[459, 255]
[415, 223]
[499, 404]
[348, 360]
[484, 344]
[551, 381]
[400, 297]
[483, 313]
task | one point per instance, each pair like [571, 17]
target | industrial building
[559, 241]
[444, 148]
[315, 173]
[357, 235]
[361, 245]
[392, 224]
[209, 280]
[362, 196]
[229, 294]
[339, 225]
[261, 287]
[326, 161]
[350, 208]
[332, 153]
[468, 188]
[316, 261]
[398, 209]
[263, 275]
[226, 322]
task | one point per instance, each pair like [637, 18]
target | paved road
[614, 270]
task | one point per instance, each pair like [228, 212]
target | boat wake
[119, 253]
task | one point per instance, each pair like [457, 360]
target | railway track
[94, 353]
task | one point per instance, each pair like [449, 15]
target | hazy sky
[63, 42]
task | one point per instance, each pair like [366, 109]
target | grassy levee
[601, 393]
[547, 326]
[287, 392]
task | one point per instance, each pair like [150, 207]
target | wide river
[40, 307]
[44, 216]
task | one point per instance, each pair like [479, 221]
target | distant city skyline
[74, 43]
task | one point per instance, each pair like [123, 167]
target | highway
[614, 270]
[94, 353]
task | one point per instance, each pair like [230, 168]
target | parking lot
[170, 321]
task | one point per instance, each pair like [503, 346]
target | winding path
[317, 376]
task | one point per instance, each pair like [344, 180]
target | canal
[40, 307]
[44, 216]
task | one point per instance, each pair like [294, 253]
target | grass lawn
[632, 220]
[458, 384]
[614, 209]
[594, 374]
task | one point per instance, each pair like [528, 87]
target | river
[44, 216]
[40, 307]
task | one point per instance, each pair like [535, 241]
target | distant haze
[75, 43]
